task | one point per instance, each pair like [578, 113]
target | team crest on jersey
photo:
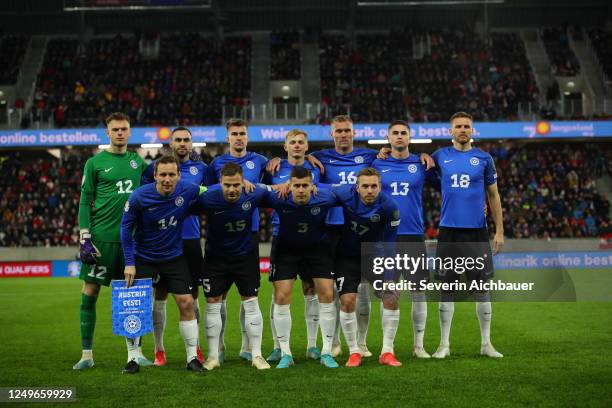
[126, 208]
[246, 206]
[133, 164]
[375, 218]
[179, 201]
[315, 210]
[358, 159]
[250, 165]
[193, 170]
[474, 161]
[412, 168]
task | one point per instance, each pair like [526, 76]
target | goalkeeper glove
[88, 252]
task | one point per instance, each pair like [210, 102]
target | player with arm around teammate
[370, 217]
[151, 230]
[231, 258]
[296, 146]
[194, 172]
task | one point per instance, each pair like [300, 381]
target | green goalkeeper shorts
[110, 265]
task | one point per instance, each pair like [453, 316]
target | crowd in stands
[547, 192]
[285, 62]
[12, 51]
[379, 78]
[562, 59]
[602, 43]
[187, 84]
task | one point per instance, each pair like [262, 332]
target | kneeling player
[370, 217]
[155, 214]
[230, 257]
[303, 248]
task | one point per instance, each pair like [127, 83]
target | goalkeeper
[108, 180]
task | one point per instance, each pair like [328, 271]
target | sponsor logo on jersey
[133, 164]
[332, 161]
[107, 170]
[246, 206]
[358, 159]
[447, 161]
[386, 170]
[474, 161]
[126, 208]
[179, 201]
[315, 210]
[412, 168]
[193, 170]
[375, 218]
[132, 324]
[250, 165]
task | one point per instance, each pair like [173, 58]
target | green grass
[556, 354]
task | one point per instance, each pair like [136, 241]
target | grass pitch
[556, 354]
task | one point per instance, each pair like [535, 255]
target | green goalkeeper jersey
[108, 181]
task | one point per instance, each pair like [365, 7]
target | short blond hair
[295, 132]
[342, 118]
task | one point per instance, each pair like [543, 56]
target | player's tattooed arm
[496, 211]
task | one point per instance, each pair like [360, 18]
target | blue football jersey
[302, 225]
[156, 222]
[375, 223]
[192, 172]
[228, 225]
[343, 169]
[464, 177]
[282, 176]
[253, 168]
[403, 180]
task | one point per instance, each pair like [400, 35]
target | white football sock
[348, 321]
[327, 321]
[447, 309]
[419, 317]
[282, 322]
[223, 315]
[189, 333]
[132, 348]
[484, 312]
[213, 329]
[159, 323]
[254, 325]
[364, 308]
[276, 345]
[337, 328]
[390, 322]
[311, 314]
[245, 335]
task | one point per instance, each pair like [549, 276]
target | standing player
[151, 230]
[108, 179]
[370, 217]
[403, 177]
[296, 146]
[231, 257]
[253, 166]
[466, 173]
[342, 164]
[193, 172]
[303, 248]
